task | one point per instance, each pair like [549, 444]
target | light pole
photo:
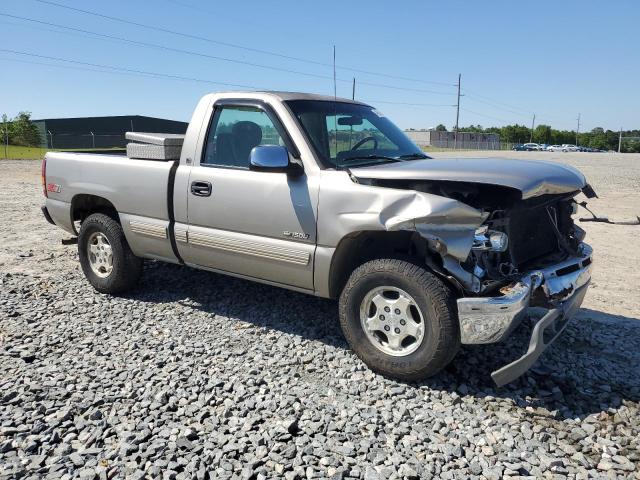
[533, 123]
[620, 141]
[93, 140]
[51, 135]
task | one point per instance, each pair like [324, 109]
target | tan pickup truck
[328, 197]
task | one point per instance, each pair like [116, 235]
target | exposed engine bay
[529, 235]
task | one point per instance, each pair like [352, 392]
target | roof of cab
[284, 96]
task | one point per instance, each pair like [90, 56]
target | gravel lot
[196, 375]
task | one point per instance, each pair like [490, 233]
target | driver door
[256, 224]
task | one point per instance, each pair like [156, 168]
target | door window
[234, 132]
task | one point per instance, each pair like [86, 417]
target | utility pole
[578, 130]
[620, 141]
[455, 138]
[353, 90]
[533, 123]
[6, 136]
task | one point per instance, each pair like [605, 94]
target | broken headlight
[486, 240]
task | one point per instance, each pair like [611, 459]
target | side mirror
[272, 158]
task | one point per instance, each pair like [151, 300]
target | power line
[128, 70]
[474, 98]
[234, 45]
[483, 115]
[158, 46]
[510, 108]
[412, 104]
[212, 57]
[490, 101]
[93, 67]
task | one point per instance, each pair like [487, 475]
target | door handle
[201, 189]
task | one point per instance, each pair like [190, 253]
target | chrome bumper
[560, 288]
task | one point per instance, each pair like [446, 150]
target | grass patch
[22, 153]
[14, 152]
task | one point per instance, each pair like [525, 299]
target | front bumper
[560, 288]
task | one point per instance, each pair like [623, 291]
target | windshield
[350, 134]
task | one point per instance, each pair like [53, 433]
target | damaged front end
[521, 253]
[535, 253]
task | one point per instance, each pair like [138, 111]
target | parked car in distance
[569, 147]
[518, 147]
[532, 147]
[328, 197]
[554, 148]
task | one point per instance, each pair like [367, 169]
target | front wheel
[400, 319]
[105, 256]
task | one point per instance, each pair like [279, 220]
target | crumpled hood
[531, 178]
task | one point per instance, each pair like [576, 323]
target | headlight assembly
[490, 240]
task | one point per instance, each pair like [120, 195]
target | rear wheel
[105, 256]
[400, 319]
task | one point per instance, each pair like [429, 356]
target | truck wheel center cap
[392, 321]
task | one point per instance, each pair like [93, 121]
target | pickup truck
[328, 197]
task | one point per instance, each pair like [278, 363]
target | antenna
[334, 73]
[335, 99]
[353, 89]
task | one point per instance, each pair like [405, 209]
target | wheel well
[360, 247]
[84, 205]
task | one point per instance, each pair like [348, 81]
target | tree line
[20, 131]
[597, 138]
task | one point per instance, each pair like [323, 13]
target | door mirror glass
[273, 158]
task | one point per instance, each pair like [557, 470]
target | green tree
[22, 131]
[441, 128]
[542, 134]
[472, 128]
[515, 133]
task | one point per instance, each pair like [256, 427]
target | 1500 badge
[302, 236]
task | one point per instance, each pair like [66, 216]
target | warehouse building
[469, 140]
[100, 132]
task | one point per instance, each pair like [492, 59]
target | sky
[555, 59]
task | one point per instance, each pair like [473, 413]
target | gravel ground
[197, 375]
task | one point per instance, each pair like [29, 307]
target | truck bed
[134, 187]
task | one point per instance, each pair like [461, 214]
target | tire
[434, 302]
[125, 269]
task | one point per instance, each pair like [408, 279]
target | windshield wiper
[371, 157]
[414, 156]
